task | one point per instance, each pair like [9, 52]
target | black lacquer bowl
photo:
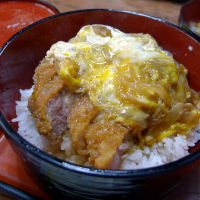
[18, 59]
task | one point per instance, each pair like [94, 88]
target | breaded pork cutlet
[57, 110]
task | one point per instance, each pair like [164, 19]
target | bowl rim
[182, 21]
[10, 133]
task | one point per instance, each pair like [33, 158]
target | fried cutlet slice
[43, 74]
[103, 139]
[50, 100]
[99, 140]
[80, 115]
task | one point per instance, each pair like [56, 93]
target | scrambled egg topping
[130, 79]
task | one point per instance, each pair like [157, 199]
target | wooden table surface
[189, 188]
[167, 10]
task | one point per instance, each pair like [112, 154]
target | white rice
[168, 150]
[26, 124]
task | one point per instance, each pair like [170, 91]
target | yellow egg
[130, 78]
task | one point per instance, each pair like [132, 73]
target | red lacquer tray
[13, 173]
